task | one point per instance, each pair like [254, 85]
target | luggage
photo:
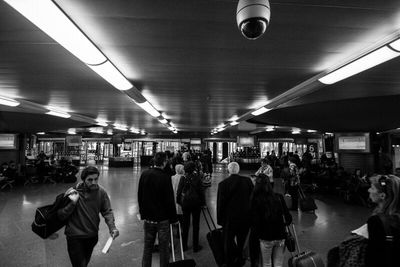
[46, 220]
[182, 262]
[306, 203]
[215, 239]
[305, 258]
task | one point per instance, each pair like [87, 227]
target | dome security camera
[252, 17]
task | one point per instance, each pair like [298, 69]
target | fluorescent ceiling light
[368, 61]
[109, 132]
[58, 113]
[233, 123]
[395, 45]
[171, 128]
[163, 121]
[311, 131]
[295, 131]
[46, 15]
[329, 133]
[102, 123]
[172, 124]
[120, 127]
[260, 111]
[72, 131]
[175, 132]
[220, 129]
[41, 133]
[112, 75]
[8, 102]
[269, 129]
[146, 106]
[134, 130]
[96, 130]
[142, 132]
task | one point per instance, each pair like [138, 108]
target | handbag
[290, 242]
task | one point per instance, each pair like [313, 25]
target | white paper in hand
[108, 245]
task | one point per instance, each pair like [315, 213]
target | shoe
[197, 249]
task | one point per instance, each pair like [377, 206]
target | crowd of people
[247, 209]
[39, 170]
[251, 213]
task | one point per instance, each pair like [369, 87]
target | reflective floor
[19, 246]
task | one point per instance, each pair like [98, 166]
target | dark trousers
[234, 250]
[254, 246]
[150, 232]
[294, 193]
[80, 250]
[195, 213]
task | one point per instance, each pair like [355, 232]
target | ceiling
[191, 62]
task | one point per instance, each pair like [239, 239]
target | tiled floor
[19, 246]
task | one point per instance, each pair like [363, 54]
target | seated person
[377, 242]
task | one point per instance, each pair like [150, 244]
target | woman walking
[268, 213]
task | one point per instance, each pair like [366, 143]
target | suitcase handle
[172, 241]
[211, 219]
[295, 238]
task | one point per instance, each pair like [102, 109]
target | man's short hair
[179, 169]
[89, 170]
[233, 168]
[159, 158]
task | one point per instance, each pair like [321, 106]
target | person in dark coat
[193, 208]
[233, 213]
[157, 209]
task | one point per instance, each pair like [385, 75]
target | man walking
[82, 215]
[233, 213]
[157, 209]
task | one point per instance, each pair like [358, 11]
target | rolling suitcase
[305, 258]
[215, 239]
[182, 262]
[306, 203]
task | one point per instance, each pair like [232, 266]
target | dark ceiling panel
[190, 61]
[352, 115]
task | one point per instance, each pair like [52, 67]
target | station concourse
[19, 246]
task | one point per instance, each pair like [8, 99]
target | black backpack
[190, 197]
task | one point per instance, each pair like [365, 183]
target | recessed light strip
[58, 114]
[361, 64]
[49, 17]
[8, 102]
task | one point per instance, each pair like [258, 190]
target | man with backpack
[157, 209]
[191, 197]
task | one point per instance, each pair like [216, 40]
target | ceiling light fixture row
[382, 54]
[52, 20]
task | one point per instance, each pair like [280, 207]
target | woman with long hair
[268, 209]
[384, 224]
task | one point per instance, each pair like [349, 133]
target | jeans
[150, 232]
[80, 250]
[272, 252]
[195, 212]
